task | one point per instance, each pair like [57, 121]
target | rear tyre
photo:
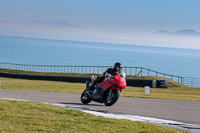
[85, 98]
[110, 100]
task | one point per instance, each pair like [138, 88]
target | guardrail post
[130, 70]
[192, 83]
[90, 69]
[136, 71]
[156, 74]
[44, 68]
[164, 75]
[148, 72]
[141, 71]
[181, 80]
[98, 69]
[171, 77]
[47, 68]
[125, 69]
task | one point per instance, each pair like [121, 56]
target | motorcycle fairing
[120, 83]
[107, 83]
[112, 81]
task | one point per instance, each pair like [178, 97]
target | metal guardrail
[140, 71]
[191, 81]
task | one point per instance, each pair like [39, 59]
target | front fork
[110, 95]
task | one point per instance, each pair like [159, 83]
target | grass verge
[172, 93]
[20, 116]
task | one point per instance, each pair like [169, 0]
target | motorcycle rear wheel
[85, 98]
[108, 101]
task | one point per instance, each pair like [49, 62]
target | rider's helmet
[118, 67]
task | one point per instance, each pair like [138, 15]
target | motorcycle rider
[112, 71]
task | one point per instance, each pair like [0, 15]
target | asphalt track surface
[180, 111]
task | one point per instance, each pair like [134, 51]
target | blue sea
[181, 62]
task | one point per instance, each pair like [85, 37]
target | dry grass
[20, 117]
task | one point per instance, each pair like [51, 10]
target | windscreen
[123, 76]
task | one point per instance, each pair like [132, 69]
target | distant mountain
[61, 23]
[184, 32]
[163, 32]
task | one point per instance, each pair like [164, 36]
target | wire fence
[139, 71]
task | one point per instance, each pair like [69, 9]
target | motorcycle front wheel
[85, 98]
[110, 99]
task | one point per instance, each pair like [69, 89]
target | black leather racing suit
[100, 79]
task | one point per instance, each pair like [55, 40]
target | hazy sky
[115, 21]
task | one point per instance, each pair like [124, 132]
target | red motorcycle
[106, 92]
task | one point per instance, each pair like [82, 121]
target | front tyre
[85, 98]
[112, 98]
